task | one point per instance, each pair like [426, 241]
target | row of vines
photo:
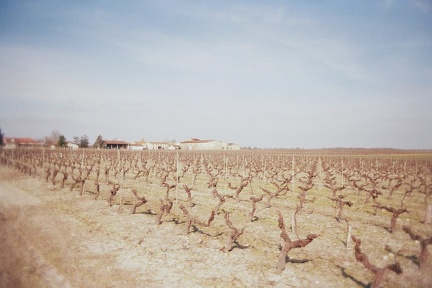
[239, 197]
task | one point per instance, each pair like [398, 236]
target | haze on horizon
[308, 74]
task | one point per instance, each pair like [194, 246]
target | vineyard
[254, 218]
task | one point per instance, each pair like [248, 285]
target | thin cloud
[266, 74]
[424, 5]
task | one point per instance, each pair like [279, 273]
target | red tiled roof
[115, 142]
[20, 141]
[195, 140]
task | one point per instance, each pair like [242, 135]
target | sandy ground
[52, 237]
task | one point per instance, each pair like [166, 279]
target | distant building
[174, 147]
[232, 146]
[158, 145]
[138, 145]
[72, 146]
[14, 142]
[116, 144]
[198, 144]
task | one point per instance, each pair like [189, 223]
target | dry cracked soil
[53, 237]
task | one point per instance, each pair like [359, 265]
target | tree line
[59, 140]
[81, 141]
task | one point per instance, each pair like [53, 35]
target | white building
[72, 146]
[232, 146]
[14, 142]
[198, 144]
[158, 145]
[138, 145]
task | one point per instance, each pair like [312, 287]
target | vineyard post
[342, 167]
[294, 221]
[177, 176]
[262, 165]
[121, 184]
[121, 172]
[244, 166]
[320, 173]
[82, 164]
[121, 176]
[225, 176]
[82, 159]
[292, 173]
[348, 239]
[428, 214]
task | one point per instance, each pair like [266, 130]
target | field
[256, 218]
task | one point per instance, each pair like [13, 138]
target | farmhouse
[158, 145]
[72, 146]
[116, 144]
[198, 144]
[233, 146]
[11, 143]
[138, 145]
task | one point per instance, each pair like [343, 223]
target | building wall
[210, 145]
[10, 146]
[157, 145]
[72, 146]
[233, 147]
[117, 146]
[12, 143]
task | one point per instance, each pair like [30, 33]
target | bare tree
[53, 138]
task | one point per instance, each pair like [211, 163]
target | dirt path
[47, 246]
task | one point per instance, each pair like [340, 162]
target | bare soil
[54, 237]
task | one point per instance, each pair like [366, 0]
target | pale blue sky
[307, 74]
